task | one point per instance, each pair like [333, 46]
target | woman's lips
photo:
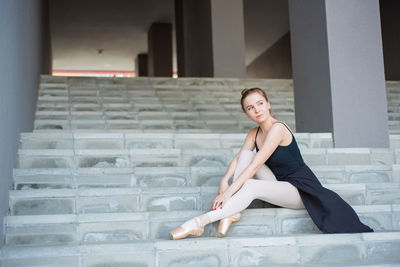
[258, 116]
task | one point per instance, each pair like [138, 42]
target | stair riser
[101, 201]
[164, 141]
[182, 176]
[254, 225]
[132, 141]
[182, 158]
[313, 250]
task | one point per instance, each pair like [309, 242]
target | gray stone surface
[42, 206]
[155, 99]
[263, 256]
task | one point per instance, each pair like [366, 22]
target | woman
[283, 179]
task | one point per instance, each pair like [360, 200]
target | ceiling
[107, 35]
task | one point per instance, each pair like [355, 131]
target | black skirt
[327, 209]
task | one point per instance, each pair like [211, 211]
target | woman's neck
[267, 124]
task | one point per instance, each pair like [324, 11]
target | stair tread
[157, 215]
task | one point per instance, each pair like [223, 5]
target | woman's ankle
[204, 219]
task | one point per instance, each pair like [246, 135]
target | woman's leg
[263, 173]
[282, 194]
[268, 189]
[245, 158]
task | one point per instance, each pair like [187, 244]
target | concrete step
[58, 178]
[143, 100]
[120, 227]
[38, 140]
[159, 126]
[366, 249]
[149, 126]
[207, 157]
[107, 140]
[103, 200]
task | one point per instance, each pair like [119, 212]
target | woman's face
[256, 107]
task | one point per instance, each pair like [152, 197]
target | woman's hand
[221, 199]
[222, 187]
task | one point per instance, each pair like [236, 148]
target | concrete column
[338, 70]
[228, 38]
[193, 38]
[390, 10]
[141, 65]
[210, 38]
[47, 55]
[160, 50]
[20, 66]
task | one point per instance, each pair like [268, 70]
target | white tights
[265, 187]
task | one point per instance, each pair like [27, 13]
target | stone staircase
[182, 105]
[114, 164]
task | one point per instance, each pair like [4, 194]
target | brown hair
[245, 92]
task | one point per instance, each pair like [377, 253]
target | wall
[275, 62]
[267, 43]
[20, 66]
[228, 42]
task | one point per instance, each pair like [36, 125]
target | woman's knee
[248, 185]
[265, 173]
[246, 153]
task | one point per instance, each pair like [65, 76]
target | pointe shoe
[225, 223]
[180, 232]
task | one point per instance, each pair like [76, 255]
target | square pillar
[141, 67]
[160, 50]
[228, 38]
[338, 72]
[193, 38]
[210, 38]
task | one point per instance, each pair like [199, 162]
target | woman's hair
[246, 92]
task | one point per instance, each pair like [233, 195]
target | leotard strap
[258, 129]
[283, 124]
[255, 139]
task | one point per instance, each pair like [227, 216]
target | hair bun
[244, 91]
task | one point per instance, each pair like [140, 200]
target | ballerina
[280, 177]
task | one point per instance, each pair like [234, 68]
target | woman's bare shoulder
[252, 132]
[249, 141]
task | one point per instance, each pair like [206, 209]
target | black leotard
[327, 209]
[285, 159]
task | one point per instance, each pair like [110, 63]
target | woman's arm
[224, 183]
[247, 145]
[273, 139]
